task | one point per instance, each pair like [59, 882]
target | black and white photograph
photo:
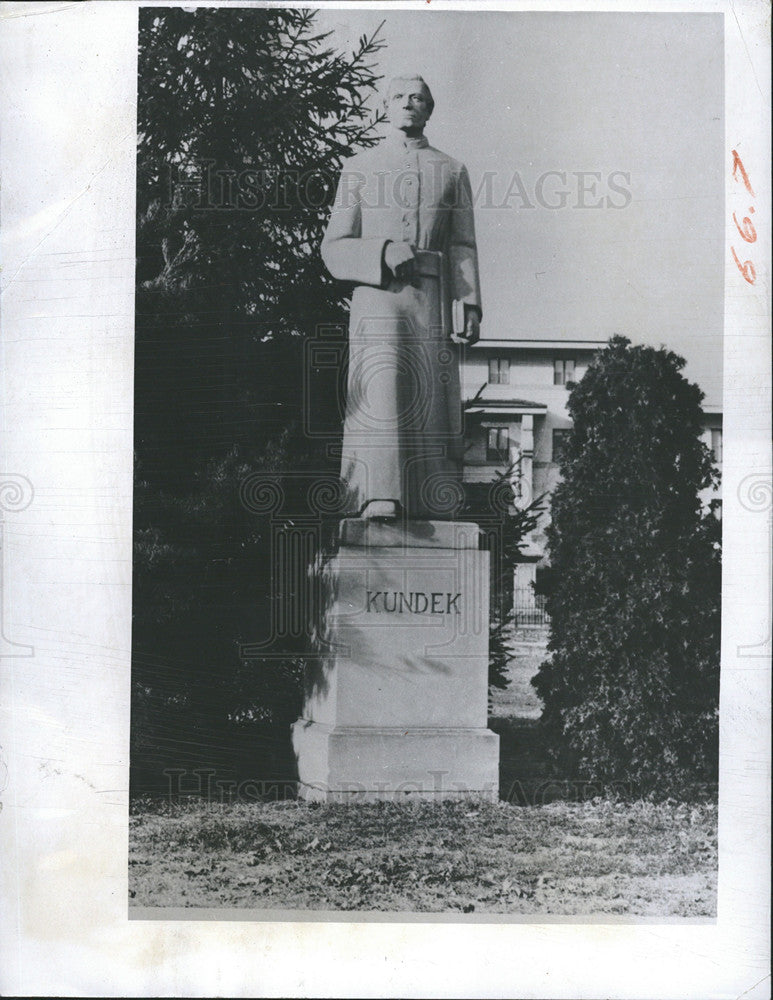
[386, 510]
[428, 450]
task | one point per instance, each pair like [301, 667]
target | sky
[635, 98]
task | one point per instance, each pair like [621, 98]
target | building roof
[535, 343]
[487, 405]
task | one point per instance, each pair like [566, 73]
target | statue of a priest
[402, 231]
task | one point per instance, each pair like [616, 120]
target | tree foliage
[631, 687]
[244, 118]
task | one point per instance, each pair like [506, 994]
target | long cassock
[403, 433]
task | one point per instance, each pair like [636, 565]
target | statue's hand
[399, 258]
[471, 333]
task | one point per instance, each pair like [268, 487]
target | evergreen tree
[631, 688]
[244, 119]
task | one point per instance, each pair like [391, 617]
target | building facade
[515, 394]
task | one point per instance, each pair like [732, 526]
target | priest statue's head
[409, 104]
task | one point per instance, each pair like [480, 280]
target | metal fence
[529, 608]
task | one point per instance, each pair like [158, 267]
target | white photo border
[68, 159]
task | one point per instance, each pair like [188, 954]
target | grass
[598, 857]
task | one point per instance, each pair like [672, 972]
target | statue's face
[407, 104]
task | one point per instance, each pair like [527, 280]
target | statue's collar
[400, 141]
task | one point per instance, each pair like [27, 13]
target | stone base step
[368, 763]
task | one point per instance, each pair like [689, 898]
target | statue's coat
[403, 429]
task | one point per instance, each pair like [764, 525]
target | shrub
[631, 687]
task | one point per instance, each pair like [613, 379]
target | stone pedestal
[397, 705]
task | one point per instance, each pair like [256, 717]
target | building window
[560, 437]
[499, 371]
[716, 444]
[497, 445]
[563, 371]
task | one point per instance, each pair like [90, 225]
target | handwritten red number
[746, 269]
[737, 165]
[748, 233]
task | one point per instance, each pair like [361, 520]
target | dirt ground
[598, 857]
